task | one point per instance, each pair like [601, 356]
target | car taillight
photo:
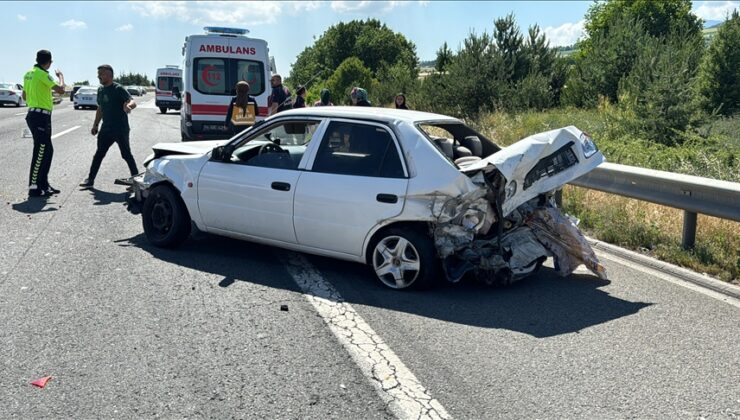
[188, 107]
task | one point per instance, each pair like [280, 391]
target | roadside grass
[711, 151]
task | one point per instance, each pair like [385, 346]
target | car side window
[358, 149]
[280, 146]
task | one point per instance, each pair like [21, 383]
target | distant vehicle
[11, 93]
[72, 94]
[86, 97]
[214, 63]
[143, 90]
[168, 93]
[56, 98]
[133, 90]
[376, 186]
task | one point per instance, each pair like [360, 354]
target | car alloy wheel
[396, 262]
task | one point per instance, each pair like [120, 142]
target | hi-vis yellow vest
[241, 117]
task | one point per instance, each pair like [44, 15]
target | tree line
[645, 59]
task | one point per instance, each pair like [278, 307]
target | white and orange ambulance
[214, 63]
[168, 92]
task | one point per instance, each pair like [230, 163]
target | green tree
[134, 79]
[82, 83]
[657, 96]
[350, 73]
[444, 56]
[659, 18]
[393, 80]
[719, 80]
[372, 42]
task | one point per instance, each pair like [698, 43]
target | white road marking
[671, 279]
[20, 113]
[397, 386]
[69, 130]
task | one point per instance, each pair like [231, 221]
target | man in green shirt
[114, 105]
[37, 87]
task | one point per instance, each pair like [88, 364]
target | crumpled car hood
[517, 161]
[188, 148]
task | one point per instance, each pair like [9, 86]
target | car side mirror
[221, 153]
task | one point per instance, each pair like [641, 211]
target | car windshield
[6, 86]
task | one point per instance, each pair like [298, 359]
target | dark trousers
[43, 151]
[105, 141]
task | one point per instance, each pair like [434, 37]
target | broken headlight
[588, 145]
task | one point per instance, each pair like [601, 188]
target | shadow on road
[103, 198]
[544, 305]
[34, 205]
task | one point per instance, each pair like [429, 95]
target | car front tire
[162, 109]
[165, 218]
[404, 259]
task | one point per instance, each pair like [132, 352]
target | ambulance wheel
[162, 109]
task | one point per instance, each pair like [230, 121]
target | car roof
[374, 113]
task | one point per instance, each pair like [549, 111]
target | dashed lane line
[403, 394]
[69, 130]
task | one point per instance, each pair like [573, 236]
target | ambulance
[214, 63]
[168, 92]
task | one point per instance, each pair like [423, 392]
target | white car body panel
[239, 198]
[86, 97]
[11, 93]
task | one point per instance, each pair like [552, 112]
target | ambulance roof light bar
[227, 31]
[172, 66]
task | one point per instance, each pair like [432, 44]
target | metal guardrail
[692, 194]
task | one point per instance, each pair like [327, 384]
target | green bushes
[719, 80]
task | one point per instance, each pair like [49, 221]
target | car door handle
[387, 198]
[281, 186]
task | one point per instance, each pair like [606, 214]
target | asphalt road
[128, 330]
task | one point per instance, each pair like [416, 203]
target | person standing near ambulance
[280, 99]
[114, 105]
[37, 87]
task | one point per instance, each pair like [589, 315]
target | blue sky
[141, 36]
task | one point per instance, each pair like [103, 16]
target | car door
[251, 193]
[356, 180]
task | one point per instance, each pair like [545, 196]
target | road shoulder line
[403, 394]
[677, 272]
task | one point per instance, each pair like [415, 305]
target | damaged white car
[417, 196]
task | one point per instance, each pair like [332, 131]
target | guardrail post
[689, 229]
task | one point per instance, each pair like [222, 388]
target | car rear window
[219, 76]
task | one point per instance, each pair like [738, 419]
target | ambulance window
[253, 73]
[210, 76]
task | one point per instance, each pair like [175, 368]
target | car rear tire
[165, 218]
[404, 259]
[162, 109]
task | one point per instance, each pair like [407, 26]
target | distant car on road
[86, 97]
[411, 194]
[11, 94]
[133, 90]
[74, 91]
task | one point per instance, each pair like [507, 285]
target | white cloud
[74, 24]
[307, 6]
[212, 12]
[565, 34]
[370, 7]
[125, 28]
[22, 18]
[716, 10]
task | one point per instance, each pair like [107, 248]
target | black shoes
[39, 193]
[87, 183]
[52, 190]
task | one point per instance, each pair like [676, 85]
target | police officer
[37, 87]
[114, 105]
